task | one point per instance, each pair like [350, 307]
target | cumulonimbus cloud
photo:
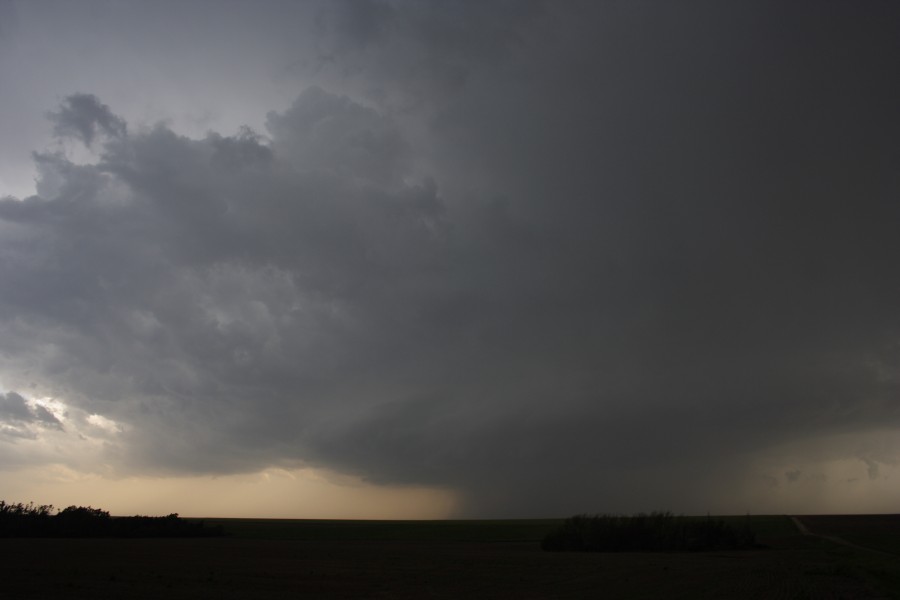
[536, 282]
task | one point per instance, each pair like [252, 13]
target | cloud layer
[610, 257]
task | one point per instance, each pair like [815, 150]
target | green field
[267, 559]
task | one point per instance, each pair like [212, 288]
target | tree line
[33, 520]
[654, 532]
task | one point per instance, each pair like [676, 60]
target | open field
[506, 530]
[356, 559]
[881, 532]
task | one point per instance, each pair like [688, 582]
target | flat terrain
[347, 559]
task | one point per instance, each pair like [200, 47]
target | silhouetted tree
[30, 520]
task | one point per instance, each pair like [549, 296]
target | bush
[19, 519]
[654, 532]
[81, 521]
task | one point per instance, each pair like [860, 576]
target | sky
[411, 259]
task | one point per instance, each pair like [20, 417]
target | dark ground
[793, 566]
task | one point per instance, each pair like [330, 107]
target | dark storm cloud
[321, 131]
[609, 254]
[188, 278]
[407, 53]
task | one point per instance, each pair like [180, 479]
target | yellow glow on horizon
[272, 493]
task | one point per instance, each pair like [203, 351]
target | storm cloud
[556, 257]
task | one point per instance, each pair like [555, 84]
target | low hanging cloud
[14, 409]
[537, 283]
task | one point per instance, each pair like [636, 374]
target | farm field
[431, 559]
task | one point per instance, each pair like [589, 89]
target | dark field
[435, 559]
[881, 532]
[506, 530]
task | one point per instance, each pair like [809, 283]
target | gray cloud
[335, 134]
[15, 411]
[83, 117]
[8, 18]
[604, 256]
[13, 408]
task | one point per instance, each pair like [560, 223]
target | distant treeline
[654, 532]
[30, 520]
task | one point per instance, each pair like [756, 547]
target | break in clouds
[556, 258]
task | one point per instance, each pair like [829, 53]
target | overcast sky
[459, 258]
